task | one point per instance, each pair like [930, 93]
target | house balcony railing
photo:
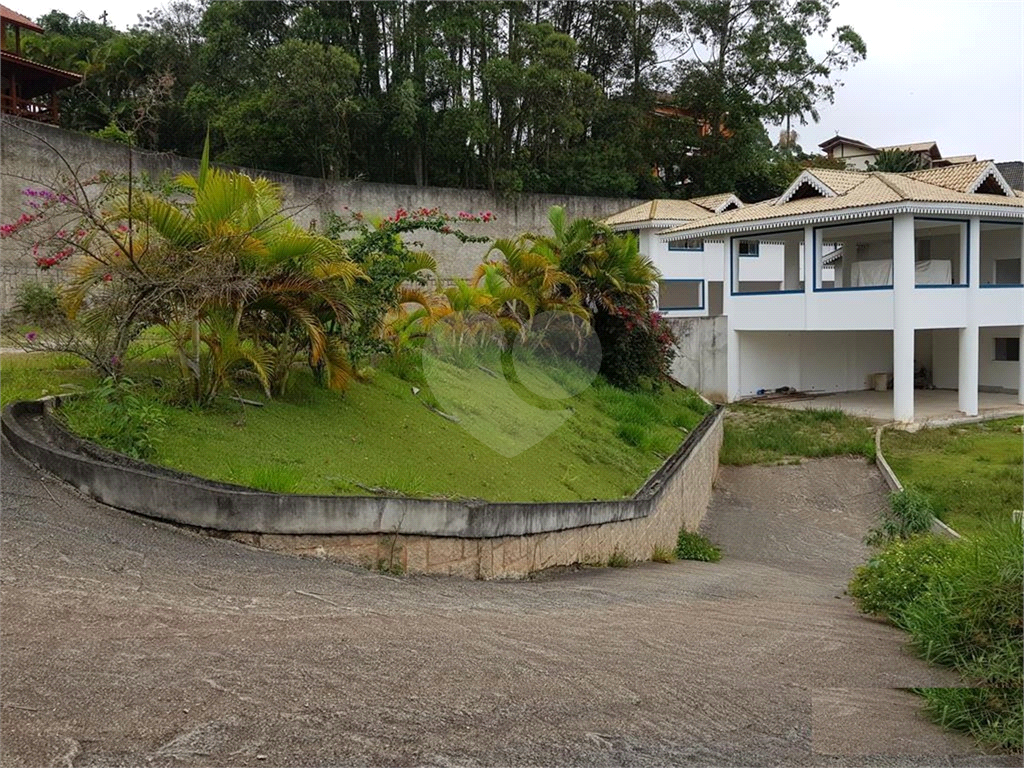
[44, 113]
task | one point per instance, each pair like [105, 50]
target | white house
[925, 274]
[858, 156]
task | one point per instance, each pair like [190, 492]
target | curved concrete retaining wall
[475, 539]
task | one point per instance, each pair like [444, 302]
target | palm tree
[233, 279]
[896, 161]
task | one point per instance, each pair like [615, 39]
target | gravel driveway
[129, 642]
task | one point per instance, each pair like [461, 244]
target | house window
[748, 247]
[923, 250]
[1008, 348]
[686, 245]
[680, 294]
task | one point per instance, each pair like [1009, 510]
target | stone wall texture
[30, 155]
[682, 502]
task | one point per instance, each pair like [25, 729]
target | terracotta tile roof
[16, 18]
[668, 210]
[859, 189]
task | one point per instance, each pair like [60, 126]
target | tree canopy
[620, 98]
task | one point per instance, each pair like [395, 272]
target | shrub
[961, 602]
[693, 546]
[910, 512]
[118, 416]
[897, 576]
[637, 346]
[37, 303]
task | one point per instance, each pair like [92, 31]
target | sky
[949, 71]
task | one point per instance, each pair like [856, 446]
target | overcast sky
[950, 71]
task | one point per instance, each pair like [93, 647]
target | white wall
[1001, 374]
[812, 361]
[701, 358]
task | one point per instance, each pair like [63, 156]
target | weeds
[118, 415]
[961, 603]
[663, 555]
[693, 546]
[276, 478]
[758, 434]
[618, 559]
[910, 512]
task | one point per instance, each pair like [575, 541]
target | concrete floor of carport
[932, 407]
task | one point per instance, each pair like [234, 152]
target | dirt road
[126, 642]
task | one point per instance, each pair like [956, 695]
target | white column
[903, 275]
[810, 268]
[790, 265]
[967, 382]
[1020, 368]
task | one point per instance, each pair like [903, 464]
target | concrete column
[967, 382]
[732, 374]
[1020, 369]
[791, 266]
[810, 267]
[903, 276]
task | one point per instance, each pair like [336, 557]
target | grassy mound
[392, 435]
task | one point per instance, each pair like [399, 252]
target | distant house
[858, 156]
[847, 277]
[27, 88]
[1013, 172]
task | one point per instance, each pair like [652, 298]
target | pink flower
[31, 335]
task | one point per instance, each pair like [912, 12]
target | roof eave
[841, 214]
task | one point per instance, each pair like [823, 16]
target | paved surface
[127, 642]
[932, 407]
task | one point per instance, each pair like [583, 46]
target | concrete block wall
[27, 161]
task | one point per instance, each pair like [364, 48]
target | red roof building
[27, 89]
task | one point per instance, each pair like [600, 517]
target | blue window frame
[1000, 223]
[817, 266]
[668, 304]
[686, 245]
[966, 278]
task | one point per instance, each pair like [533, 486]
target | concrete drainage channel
[471, 539]
[897, 487]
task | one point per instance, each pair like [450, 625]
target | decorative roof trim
[731, 200]
[625, 226]
[865, 212]
[805, 177]
[990, 171]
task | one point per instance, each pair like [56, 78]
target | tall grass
[760, 434]
[962, 604]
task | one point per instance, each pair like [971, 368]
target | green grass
[28, 376]
[379, 437]
[762, 435]
[972, 474]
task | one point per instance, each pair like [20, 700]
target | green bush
[37, 303]
[637, 347]
[118, 416]
[693, 546]
[910, 512]
[897, 576]
[961, 602]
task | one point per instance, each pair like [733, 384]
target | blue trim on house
[814, 252]
[732, 265]
[854, 288]
[768, 293]
[967, 281]
[1001, 222]
[1002, 285]
[703, 301]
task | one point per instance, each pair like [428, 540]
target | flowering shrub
[637, 346]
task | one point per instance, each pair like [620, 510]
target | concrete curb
[895, 486]
[163, 494]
